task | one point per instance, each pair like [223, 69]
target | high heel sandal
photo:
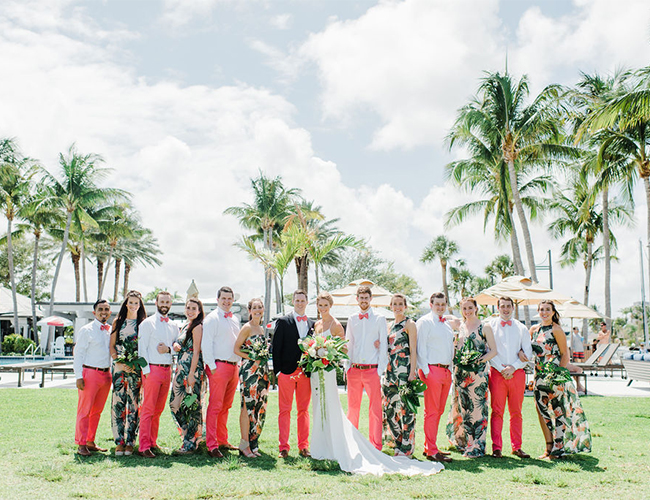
[245, 451]
[547, 454]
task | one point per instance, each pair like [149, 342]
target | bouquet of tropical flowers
[258, 350]
[190, 402]
[410, 394]
[467, 357]
[130, 356]
[321, 353]
[550, 375]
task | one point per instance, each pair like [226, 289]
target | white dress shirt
[92, 347]
[151, 332]
[219, 336]
[303, 326]
[510, 339]
[435, 342]
[362, 334]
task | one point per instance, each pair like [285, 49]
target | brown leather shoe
[283, 454]
[147, 454]
[83, 451]
[520, 453]
[497, 454]
[439, 457]
[128, 450]
[446, 453]
[215, 453]
[304, 453]
[93, 447]
[227, 446]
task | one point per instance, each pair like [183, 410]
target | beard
[163, 310]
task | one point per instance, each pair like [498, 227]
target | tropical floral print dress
[254, 389]
[468, 415]
[125, 400]
[559, 404]
[399, 421]
[188, 420]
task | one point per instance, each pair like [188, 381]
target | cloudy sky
[347, 100]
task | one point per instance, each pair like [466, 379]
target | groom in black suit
[286, 353]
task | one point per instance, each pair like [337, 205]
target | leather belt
[156, 364]
[364, 367]
[234, 363]
[95, 368]
[446, 367]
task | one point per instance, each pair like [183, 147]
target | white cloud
[282, 21]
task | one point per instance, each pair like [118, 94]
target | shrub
[15, 343]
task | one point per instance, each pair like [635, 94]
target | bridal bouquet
[550, 375]
[258, 350]
[410, 394]
[467, 357]
[130, 356]
[321, 353]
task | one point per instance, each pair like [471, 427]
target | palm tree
[461, 278]
[76, 191]
[443, 250]
[578, 214]
[327, 251]
[141, 249]
[501, 267]
[16, 175]
[272, 205]
[38, 215]
[528, 136]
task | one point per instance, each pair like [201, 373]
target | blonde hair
[325, 296]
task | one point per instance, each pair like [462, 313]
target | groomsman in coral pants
[507, 378]
[367, 337]
[156, 337]
[92, 363]
[291, 379]
[435, 348]
[220, 331]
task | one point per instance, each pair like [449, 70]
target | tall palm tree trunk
[37, 236]
[445, 288]
[100, 274]
[267, 281]
[522, 218]
[317, 279]
[608, 262]
[59, 261]
[302, 270]
[106, 268]
[588, 268]
[83, 269]
[118, 265]
[127, 272]
[12, 277]
[77, 277]
[278, 295]
[646, 184]
[516, 249]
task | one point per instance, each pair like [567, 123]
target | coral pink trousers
[297, 383]
[91, 403]
[358, 380]
[438, 382]
[155, 387]
[223, 385]
[511, 390]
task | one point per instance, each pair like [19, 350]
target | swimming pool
[10, 360]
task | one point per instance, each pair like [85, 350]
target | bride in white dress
[333, 435]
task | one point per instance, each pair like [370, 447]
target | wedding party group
[393, 363]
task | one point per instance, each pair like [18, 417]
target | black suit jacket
[286, 352]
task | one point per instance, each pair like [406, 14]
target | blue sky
[348, 100]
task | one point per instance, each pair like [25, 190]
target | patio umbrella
[347, 296]
[523, 291]
[574, 309]
[54, 321]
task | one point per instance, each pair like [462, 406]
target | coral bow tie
[105, 327]
[165, 319]
[301, 318]
[363, 316]
[227, 315]
[504, 323]
[442, 319]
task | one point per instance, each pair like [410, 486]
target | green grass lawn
[38, 460]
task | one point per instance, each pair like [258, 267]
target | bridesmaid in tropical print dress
[253, 380]
[399, 421]
[468, 416]
[561, 416]
[188, 378]
[127, 380]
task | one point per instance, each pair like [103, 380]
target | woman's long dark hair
[195, 322]
[556, 315]
[121, 316]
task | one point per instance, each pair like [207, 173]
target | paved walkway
[598, 386]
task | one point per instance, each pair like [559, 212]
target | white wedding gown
[335, 438]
